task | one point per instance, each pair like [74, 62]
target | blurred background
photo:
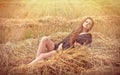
[26, 17]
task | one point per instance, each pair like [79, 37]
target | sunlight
[38, 8]
[62, 8]
[28, 7]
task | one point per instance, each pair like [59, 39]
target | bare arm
[60, 47]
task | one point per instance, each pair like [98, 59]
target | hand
[60, 47]
[77, 44]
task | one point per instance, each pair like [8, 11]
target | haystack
[101, 58]
[94, 60]
[69, 62]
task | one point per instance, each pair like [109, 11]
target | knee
[45, 38]
[41, 56]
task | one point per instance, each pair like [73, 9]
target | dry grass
[26, 23]
[101, 58]
[69, 9]
[32, 28]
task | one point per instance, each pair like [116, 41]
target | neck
[84, 30]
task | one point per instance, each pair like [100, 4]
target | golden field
[24, 22]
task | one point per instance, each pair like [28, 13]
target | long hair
[78, 30]
[69, 40]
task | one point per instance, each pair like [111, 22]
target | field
[24, 22]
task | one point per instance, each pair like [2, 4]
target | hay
[102, 58]
[68, 62]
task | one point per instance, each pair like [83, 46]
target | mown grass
[102, 57]
[30, 20]
[106, 14]
[70, 9]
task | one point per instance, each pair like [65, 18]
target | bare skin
[45, 49]
[46, 46]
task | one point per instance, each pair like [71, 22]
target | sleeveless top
[83, 39]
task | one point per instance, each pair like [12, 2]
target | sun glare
[63, 8]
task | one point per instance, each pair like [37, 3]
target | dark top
[83, 39]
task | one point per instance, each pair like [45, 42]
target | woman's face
[87, 24]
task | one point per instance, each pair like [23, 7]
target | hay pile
[102, 58]
[68, 62]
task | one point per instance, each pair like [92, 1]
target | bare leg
[46, 45]
[43, 56]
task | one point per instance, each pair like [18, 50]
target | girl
[78, 37]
